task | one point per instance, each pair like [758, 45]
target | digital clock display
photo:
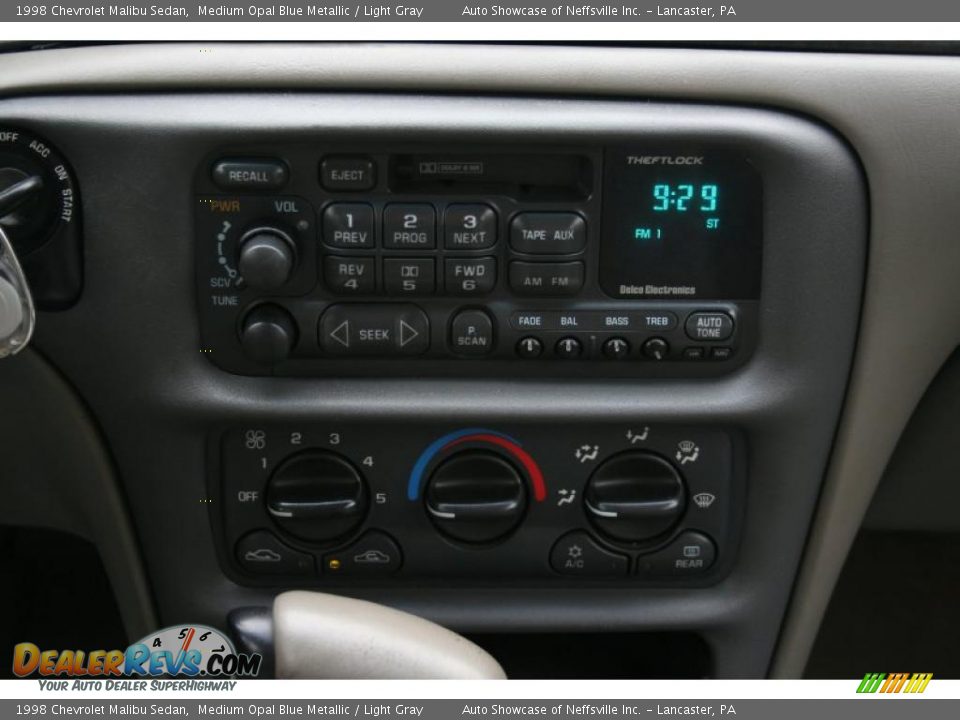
[680, 225]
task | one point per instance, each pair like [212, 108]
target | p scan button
[374, 329]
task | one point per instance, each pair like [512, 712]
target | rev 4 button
[374, 329]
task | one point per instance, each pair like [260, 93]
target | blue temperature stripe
[416, 475]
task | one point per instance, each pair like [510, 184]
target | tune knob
[317, 496]
[268, 334]
[635, 496]
[267, 258]
[476, 496]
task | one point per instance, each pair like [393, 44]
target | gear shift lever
[316, 636]
[17, 316]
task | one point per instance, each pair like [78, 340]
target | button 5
[415, 276]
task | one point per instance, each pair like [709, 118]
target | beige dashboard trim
[900, 113]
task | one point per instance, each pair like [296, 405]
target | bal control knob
[268, 334]
[267, 257]
[317, 496]
[476, 496]
[635, 496]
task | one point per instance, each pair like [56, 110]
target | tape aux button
[374, 329]
[548, 233]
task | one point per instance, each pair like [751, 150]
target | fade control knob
[476, 496]
[317, 496]
[267, 258]
[635, 496]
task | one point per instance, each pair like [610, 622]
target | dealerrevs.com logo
[184, 650]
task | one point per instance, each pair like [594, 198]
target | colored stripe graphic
[492, 437]
[894, 683]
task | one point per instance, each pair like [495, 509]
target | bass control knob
[635, 496]
[267, 258]
[476, 496]
[317, 496]
[268, 334]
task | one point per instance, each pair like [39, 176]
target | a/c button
[579, 554]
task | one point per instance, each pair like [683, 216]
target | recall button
[709, 326]
[579, 554]
[691, 553]
[374, 329]
[340, 174]
[548, 233]
[259, 174]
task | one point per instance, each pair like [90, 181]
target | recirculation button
[261, 553]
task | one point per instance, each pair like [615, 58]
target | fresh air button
[473, 276]
[690, 554]
[471, 333]
[709, 326]
[231, 174]
[409, 227]
[373, 554]
[350, 275]
[546, 279]
[343, 174]
[374, 329]
[578, 554]
[548, 233]
[409, 276]
[261, 553]
[469, 227]
[348, 225]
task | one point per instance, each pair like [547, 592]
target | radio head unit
[641, 259]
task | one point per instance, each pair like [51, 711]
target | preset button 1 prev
[374, 329]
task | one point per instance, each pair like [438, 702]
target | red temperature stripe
[529, 464]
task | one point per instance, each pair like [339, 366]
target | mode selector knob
[476, 496]
[317, 496]
[267, 258]
[635, 496]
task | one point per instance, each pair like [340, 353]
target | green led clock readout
[702, 199]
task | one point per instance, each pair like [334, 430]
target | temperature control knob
[268, 334]
[317, 496]
[267, 258]
[476, 496]
[635, 496]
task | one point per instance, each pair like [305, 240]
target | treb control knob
[635, 496]
[317, 496]
[268, 334]
[476, 496]
[267, 258]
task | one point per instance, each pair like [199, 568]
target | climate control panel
[617, 503]
[413, 259]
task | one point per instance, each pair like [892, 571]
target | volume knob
[267, 258]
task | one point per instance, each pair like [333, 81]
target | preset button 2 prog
[374, 329]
